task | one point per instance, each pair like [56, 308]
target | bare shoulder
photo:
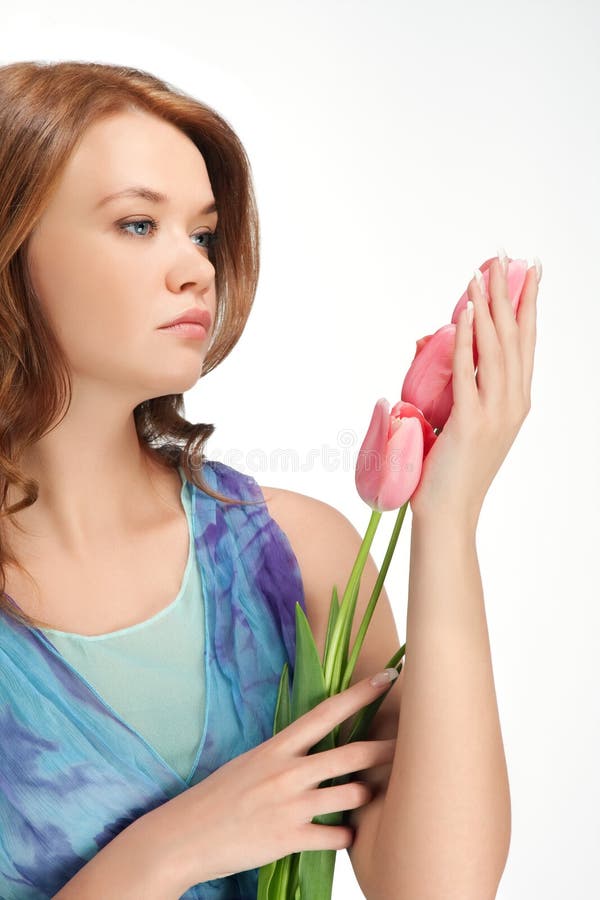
[313, 527]
[326, 544]
[294, 512]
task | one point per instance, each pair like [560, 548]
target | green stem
[333, 662]
[374, 597]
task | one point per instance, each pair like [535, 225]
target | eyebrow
[149, 194]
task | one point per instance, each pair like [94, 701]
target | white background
[394, 147]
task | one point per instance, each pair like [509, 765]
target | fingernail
[480, 280]
[535, 261]
[470, 309]
[384, 677]
[503, 260]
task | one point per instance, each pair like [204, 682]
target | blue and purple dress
[96, 731]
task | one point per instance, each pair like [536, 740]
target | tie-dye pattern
[73, 773]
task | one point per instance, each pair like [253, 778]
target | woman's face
[107, 286]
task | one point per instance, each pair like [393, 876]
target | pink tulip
[428, 382]
[391, 457]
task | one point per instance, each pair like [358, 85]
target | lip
[193, 316]
[187, 330]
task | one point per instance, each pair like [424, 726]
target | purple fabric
[74, 774]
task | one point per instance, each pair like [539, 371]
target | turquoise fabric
[74, 772]
[152, 673]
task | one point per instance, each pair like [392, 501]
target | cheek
[94, 301]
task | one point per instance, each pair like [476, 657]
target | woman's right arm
[256, 808]
[137, 863]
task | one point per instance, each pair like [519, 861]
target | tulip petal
[421, 343]
[403, 409]
[403, 464]
[429, 374]
[370, 461]
[441, 407]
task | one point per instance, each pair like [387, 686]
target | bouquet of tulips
[389, 468]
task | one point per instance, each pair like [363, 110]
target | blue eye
[210, 236]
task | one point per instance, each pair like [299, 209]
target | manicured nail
[535, 261]
[503, 260]
[480, 280]
[470, 310]
[384, 677]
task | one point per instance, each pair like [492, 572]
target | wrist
[152, 840]
[130, 866]
[451, 516]
[450, 522]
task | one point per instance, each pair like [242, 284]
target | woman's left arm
[438, 826]
[444, 828]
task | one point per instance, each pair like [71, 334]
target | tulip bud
[390, 459]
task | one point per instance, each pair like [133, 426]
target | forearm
[133, 865]
[444, 831]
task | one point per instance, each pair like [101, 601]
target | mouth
[187, 330]
[192, 317]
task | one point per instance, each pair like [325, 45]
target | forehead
[135, 148]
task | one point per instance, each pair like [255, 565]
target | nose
[192, 268]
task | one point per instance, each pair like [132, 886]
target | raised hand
[489, 407]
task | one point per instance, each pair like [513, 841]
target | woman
[110, 510]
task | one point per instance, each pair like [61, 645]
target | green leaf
[316, 873]
[294, 884]
[308, 687]
[334, 610]
[265, 877]
[339, 649]
[278, 889]
[282, 708]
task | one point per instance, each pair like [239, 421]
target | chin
[175, 385]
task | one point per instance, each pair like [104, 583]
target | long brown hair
[45, 109]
